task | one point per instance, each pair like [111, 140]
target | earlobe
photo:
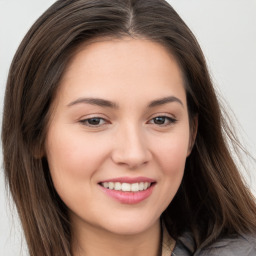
[193, 133]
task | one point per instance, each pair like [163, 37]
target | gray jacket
[240, 245]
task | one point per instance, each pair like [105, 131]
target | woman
[113, 138]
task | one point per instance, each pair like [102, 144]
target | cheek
[70, 153]
[73, 159]
[172, 154]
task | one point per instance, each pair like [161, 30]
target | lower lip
[129, 197]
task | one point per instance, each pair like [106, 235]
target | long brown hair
[212, 200]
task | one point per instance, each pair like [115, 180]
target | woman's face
[119, 135]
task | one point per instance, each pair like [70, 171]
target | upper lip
[129, 180]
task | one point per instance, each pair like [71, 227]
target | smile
[126, 187]
[128, 190]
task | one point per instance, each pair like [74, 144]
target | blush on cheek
[173, 161]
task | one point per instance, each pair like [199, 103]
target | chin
[130, 226]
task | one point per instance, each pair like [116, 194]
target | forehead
[113, 66]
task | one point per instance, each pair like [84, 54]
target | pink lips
[129, 197]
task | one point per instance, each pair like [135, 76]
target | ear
[193, 133]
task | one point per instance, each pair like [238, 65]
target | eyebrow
[165, 100]
[94, 101]
[110, 104]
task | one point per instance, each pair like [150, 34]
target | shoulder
[235, 245]
[231, 246]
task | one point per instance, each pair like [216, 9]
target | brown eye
[159, 120]
[162, 120]
[94, 121]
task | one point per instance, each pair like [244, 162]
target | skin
[127, 141]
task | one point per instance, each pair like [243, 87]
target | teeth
[111, 185]
[135, 187]
[105, 184]
[145, 185]
[117, 186]
[126, 187]
[141, 186]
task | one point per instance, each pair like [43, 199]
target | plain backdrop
[226, 31]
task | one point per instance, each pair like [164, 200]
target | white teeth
[118, 186]
[126, 187]
[111, 185]
[146, 185]
[105, 184]
[141, 186]
[135, 187]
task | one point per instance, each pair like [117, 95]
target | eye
[162, 120]
[93, 122]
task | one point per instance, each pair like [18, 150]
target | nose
[131, 148]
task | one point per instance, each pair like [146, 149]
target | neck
[90, 241]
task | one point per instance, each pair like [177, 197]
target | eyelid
[84, 121]
[169, 117]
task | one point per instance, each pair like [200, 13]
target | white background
[226, 30]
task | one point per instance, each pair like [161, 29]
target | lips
[128, 190]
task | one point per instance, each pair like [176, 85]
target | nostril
[131, 160]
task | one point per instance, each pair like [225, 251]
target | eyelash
[169, 120]
[86, 122]
[99, 121]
